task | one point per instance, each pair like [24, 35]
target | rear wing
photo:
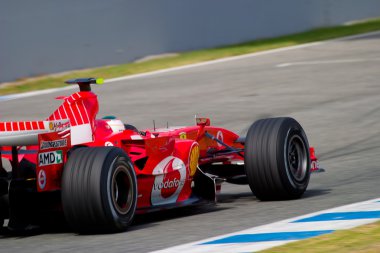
[74, 117]
[25, 133]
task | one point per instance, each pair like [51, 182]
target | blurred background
[332, 88]
[48, 36]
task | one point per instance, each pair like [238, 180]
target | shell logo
[193, 159]
[169, 181]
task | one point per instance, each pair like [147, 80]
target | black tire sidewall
[109, 167]
[292, 185]
[87, 193]
[266, 159]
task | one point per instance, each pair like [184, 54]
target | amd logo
[49, 158]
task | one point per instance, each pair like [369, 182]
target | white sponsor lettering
[53, 144]
[168, 184]
[160, 171]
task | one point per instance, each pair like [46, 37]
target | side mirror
[203, 121]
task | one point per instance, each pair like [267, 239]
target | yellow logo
[182, 135]
[193, 159]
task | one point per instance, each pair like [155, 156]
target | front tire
[277, 159]
[99, 190]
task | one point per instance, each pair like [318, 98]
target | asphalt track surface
[332, 89]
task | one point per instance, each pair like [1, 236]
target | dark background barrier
[47, 36]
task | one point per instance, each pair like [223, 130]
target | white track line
[34, 93]
[300, 63]
[227, 59]
[285, 226]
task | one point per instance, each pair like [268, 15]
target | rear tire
[99, 190]
[277, 159]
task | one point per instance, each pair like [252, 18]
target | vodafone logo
[169, 181]
[42, 179]
[167, 184]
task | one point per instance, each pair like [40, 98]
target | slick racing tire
[277, 159]
[99, 190]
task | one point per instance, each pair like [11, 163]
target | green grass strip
[359, 240]
[184, 58]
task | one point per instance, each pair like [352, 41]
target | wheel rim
[297, 158]
[122, 190]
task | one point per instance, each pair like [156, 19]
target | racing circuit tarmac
[332, 89]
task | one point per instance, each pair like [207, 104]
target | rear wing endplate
[25, 133]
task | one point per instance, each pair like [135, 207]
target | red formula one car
[99, 172]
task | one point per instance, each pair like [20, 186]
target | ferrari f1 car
[98, 173]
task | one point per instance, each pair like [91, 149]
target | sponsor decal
[168, 184]
[136, 137]
[53, 144]
[193, 159]
[42, 179]
[182, 135]
[117, 126]
[314, 165]
[169, 181]
[108, 144]
[219, 136]
[49, 158]
[58, 126]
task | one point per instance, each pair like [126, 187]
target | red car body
[165, 160]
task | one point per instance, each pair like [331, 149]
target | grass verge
[359, 240]
[53, 81]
